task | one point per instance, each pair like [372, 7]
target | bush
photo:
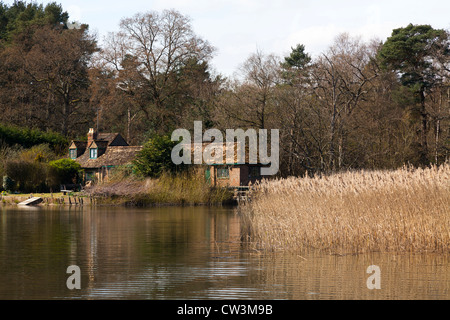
[155, 157]
[34, 169]
[30, 176]
[64, 171]
[27, 138]
[7, 152]
[38, 153]
[8, 184]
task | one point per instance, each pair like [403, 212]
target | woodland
[378, 104]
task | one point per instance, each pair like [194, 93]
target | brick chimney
[91, 136]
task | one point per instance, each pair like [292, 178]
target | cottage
[230, 174]
[233, 175]
[101, 153]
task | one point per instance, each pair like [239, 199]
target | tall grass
[407, 210]
[187, 188]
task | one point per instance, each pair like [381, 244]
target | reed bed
[407, 210]
[181, 189]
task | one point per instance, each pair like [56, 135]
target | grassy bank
[48, 198]
[181, 189]
[405, 211]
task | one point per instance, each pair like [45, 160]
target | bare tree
[249, 100]
[149, 58]
[342, 78]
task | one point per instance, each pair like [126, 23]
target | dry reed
[407, 210]
[181, 189]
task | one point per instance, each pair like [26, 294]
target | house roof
[102, 140]
[211, 148]
[111, 139]
[78, 145]
[113, 156]
[113, 150]
[99, 144]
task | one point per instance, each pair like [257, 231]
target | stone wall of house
[235, 176]
[238, 176]
[232, 181]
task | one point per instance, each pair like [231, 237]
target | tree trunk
[438, 129]
[424, 129]
[332, 160]
[128, 124]
[65, 118]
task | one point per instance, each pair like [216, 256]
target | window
[73, 153]
[254, 172]
[89, 176]
[93, 153]
[223, 173]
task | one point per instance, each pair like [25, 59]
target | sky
[238, 28]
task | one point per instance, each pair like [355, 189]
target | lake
[187, 253]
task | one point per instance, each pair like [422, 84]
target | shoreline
[83, 200]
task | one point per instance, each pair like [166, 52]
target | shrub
[26, 137]
[7, 152]
[30, 176]
[64, 171]
[38, 153]
[8, 184]
[155, 157]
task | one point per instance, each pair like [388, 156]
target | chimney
[91, 136]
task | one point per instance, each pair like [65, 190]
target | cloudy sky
[237, 28]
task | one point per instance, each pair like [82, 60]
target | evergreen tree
[412, 52]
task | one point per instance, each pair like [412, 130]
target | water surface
[186, 253]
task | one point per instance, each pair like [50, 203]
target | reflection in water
[186, 253]
[315, 276]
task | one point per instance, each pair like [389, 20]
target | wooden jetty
[241, 194]
[31, 201]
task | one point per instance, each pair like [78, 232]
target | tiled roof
[222, 159]
[79, 144]
[109, 137]
[113, 150]
[113, 156]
